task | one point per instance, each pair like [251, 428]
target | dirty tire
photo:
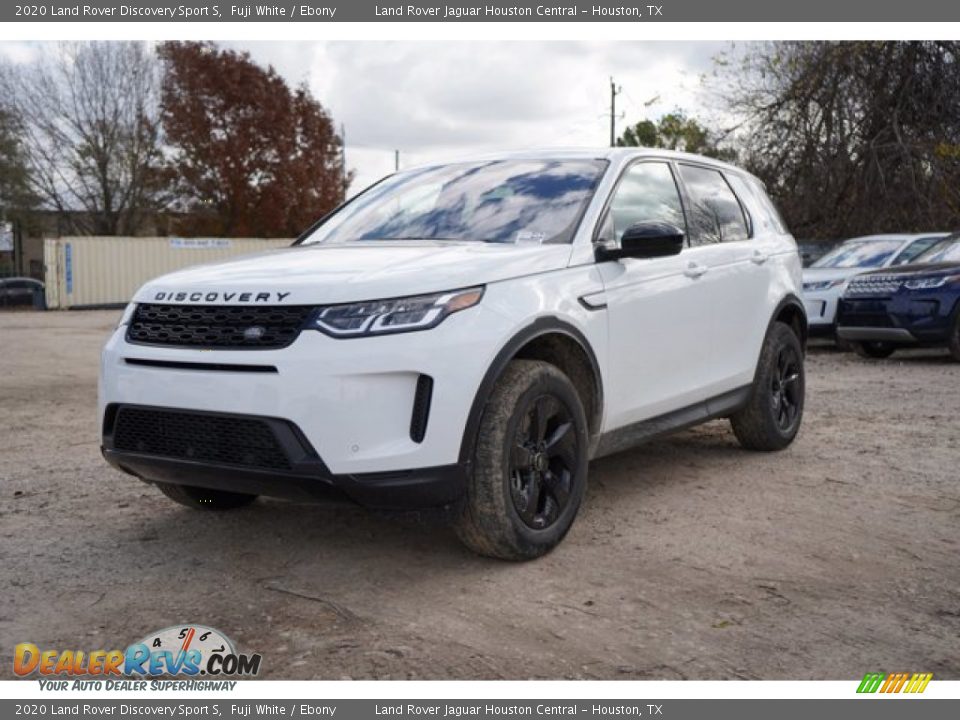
[873, 350]
[522, 495]
[772, 416]
[953, 342]
[841, 344]
[200, 498]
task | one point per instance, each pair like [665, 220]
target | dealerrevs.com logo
[189, 651]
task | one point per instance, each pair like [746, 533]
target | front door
[658, 309]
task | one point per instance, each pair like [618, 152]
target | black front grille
[200, 437]
[864, 313]
[873, 286]
[217, 326]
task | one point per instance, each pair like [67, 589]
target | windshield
[512, 201]
[947, 250]
[860, 253]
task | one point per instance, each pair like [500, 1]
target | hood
[815, 274]
[941, 268]
[326, 274]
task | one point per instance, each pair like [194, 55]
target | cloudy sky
[435, 100]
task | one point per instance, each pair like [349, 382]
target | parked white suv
[468, 336]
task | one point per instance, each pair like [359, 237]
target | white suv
[468, 336]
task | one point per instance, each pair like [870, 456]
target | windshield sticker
[530, 236]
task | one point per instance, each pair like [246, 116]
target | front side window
[647, 193]
[508, 201]
[915, 250]
[716, 215]
[947, 250]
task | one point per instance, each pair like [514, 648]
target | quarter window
[647, 193]
[716, 215]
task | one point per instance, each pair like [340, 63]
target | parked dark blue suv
[915, 305]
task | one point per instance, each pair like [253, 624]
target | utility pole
[396, 160]
[614, 91]
[343, 159]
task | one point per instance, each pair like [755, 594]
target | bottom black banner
[868, 708]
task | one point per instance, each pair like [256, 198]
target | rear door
[737, 274]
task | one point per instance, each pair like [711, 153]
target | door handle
[759, 257]
[695, 270]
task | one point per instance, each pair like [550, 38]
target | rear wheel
[200, 498]
[771, 418]
[530, 465]
[874, 349]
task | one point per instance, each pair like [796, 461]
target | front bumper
[352, 402]
[821, 307]
[406, 490]
[908, 317]
[876, 334]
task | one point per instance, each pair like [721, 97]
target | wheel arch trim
[789, 301]
[795, 303]
[538, 328]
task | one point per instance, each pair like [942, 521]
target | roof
[613, 154]
[903, 237]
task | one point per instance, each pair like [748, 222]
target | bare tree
[852, 137]
[89, 131]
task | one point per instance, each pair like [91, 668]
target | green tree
[674, 131]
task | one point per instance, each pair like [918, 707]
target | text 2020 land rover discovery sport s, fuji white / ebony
[468, 336]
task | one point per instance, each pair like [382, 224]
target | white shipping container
[96, 271]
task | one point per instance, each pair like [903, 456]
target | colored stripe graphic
[918, 683]
[870, 683]
[894, 682]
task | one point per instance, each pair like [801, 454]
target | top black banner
[520, 11]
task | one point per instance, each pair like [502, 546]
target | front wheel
[771, 418]
[530, 466]
[200, 498]
[875, 350]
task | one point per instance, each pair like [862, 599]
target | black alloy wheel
[770, 419]
[542, 462]
[785, 388]
[529, 469]
[874, 349]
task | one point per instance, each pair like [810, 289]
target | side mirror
[645, 240]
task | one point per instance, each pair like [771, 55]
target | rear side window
[716, 215]
[766, 218]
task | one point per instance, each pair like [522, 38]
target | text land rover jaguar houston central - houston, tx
[467, 337]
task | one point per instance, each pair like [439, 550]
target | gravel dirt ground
[691, 558]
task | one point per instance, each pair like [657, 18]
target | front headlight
[822, 284]
[380, 317]
[929, 283]
[127, 315]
